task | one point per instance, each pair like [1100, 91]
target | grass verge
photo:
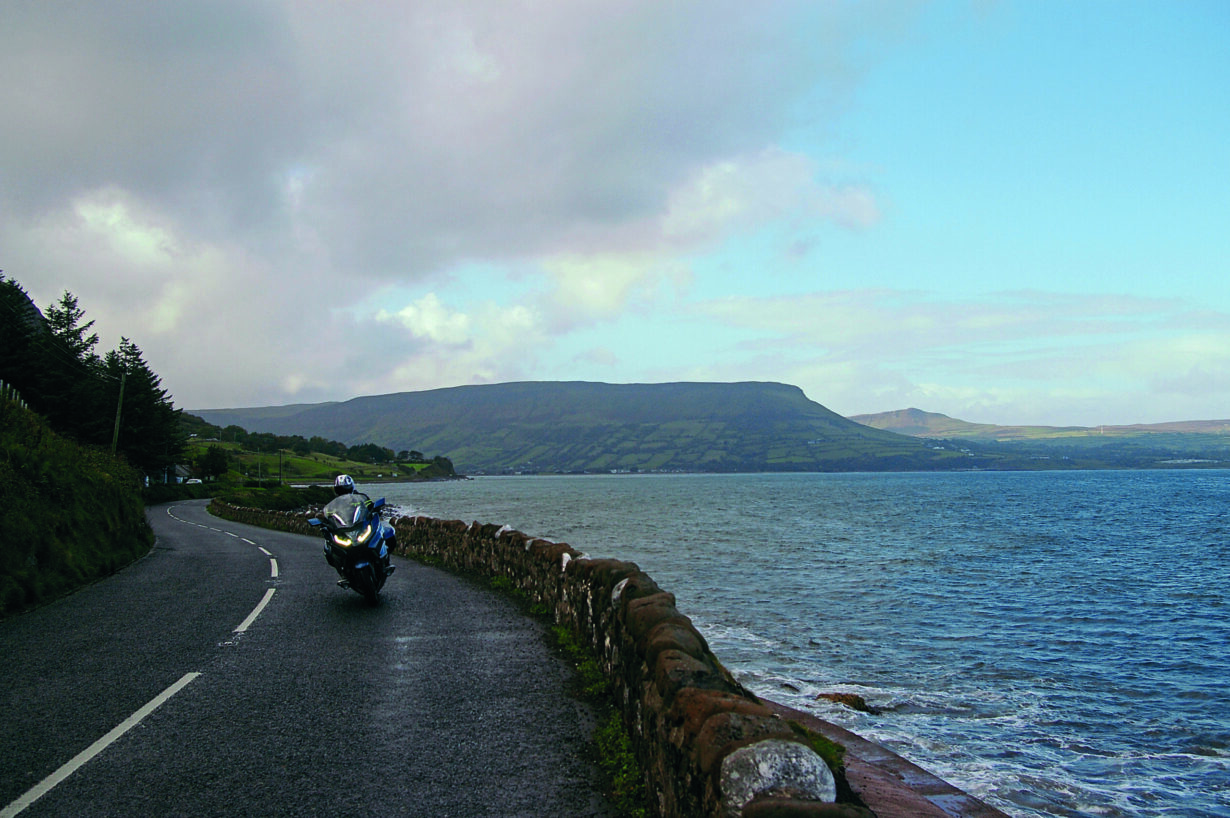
[612, 741]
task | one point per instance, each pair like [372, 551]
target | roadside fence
[9, 392]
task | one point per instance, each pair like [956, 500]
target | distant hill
[571, 427]
[1177, 444]
[917, 423]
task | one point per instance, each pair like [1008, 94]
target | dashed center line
[273, 572]
[260, 606]
[76, 762]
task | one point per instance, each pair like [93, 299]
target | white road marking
[85, 756]
[47, 784]
[260, 606]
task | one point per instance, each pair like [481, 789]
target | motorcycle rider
[343, 486]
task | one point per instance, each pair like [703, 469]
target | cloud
[745, 192]
[586, 289]
[428, 318]
[500, 345]
[206, 175]
[411, 134]
[1017, 357]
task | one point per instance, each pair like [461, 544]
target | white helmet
[344, 484]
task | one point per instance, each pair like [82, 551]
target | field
[287, 467]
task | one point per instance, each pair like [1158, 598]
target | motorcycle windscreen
[345, 511]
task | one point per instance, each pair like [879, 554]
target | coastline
[889, 785]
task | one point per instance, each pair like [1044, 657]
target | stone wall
[707, 746]
[295, 522]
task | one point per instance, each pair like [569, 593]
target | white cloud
[599, 287]
[183, 167]
[228, 184]
[1012, 358]
[502, 346]
[744, 192]
[428, 318]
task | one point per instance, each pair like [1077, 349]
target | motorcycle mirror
[313, 522]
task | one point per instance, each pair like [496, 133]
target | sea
[1054, 643]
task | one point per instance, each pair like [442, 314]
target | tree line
[213, 462]
[114, 400]
[269, 443]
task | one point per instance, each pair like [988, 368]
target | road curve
[226, 674]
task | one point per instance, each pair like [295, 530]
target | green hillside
[1188, 443]
[571, 427]
[70, 513]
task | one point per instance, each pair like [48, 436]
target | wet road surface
[181, 686]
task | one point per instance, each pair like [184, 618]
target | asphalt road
[443, 700]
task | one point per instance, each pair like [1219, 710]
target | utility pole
[119, 404]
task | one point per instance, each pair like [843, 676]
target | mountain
[917, 423]
[570, 427]
[1179, 444]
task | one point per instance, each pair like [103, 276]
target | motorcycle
[357, 542]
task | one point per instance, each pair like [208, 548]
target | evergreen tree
[150, 434]
[73, 384]
[64, 321]
[20, 323]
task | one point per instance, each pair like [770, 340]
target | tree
[52, 362]
[64, 321]
[69, 387]
[370, 453]
[235, 434]
[20, 325]
[151, 436]
[262, 442]
[329, 447]
[213, 463]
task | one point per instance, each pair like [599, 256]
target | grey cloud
[183, 105]
[285, 145]
[417, 133]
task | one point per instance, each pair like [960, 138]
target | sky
[1006, 212]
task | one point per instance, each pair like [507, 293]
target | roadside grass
[70, 514]
[612, 741]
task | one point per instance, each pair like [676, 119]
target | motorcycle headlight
[363, 536]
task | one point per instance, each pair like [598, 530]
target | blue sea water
[1055, 643]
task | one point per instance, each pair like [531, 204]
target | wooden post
[119, 404]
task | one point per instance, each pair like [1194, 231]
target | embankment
[69, 514]
[706, 745]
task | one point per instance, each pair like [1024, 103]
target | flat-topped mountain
[568, 427]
